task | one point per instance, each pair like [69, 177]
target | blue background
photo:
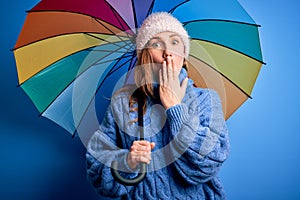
[39, 160]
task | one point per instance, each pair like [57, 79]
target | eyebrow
[173, 35]
[155, 38]
[159, 38]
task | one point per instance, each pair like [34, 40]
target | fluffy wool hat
[161, 22]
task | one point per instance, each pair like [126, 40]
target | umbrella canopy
[71, 52]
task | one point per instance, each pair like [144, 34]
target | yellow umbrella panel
[230, 73]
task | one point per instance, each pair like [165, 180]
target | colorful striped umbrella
[71, 52]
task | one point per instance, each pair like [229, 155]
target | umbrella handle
[125, 181]
[143, 166]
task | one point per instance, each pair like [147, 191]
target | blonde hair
[143, 74]
[143, 77]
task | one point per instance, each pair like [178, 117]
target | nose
[167, 53]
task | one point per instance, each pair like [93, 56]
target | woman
[186, 139]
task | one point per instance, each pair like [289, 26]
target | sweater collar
[182, 75]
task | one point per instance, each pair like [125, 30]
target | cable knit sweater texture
[191, 145]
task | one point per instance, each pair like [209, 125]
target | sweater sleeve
[101, 151]
[200, 138]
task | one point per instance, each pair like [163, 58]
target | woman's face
[164, 45]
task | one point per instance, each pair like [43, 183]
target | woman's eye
[156, 45]
[175, 42]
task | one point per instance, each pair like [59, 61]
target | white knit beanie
[161, 22]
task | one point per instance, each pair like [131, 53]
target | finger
[152, 145]
[161, 80]
[164, 74]
[144, 142]
[169, 68]
[133, 148]
[175, 76]
[141, 157]
[146, 158]
[145, 148]
[142, 145]
[141, 142]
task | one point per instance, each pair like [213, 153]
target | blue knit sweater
[191, 144]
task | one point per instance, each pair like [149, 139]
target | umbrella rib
[114, 43]
[223, 76]
[99, 21]
[260, 61]
[221, 20]
[116, 15]
[46, 38]
[129, 68]
[80, 13]
[112, 71]
[151, 7]
[173, 9]
[100, 85]
[102, 50]
[170, 11]
[134, 13]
